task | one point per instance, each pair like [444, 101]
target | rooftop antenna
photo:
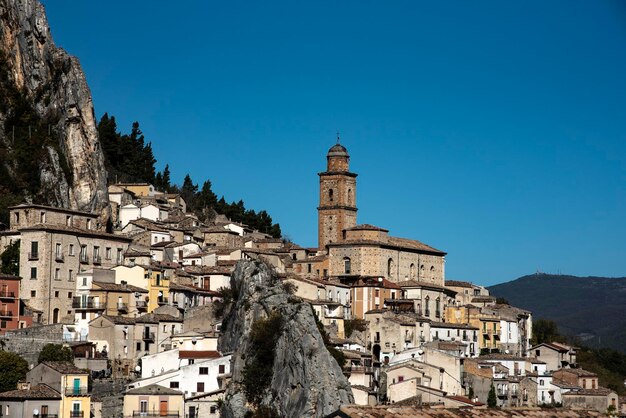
[337, 137]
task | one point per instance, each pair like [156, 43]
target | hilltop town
[141, 309]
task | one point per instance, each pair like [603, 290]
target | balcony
[77, 414]
[76, 391]
[142, 305]
[59, 257]
[148, 336]
[79, 303]
[359, 369]
[162, 300]
[6, 294]
[6, 314]
[84, 259]
[156, 413]
[33, 256]
[97, 259]
[47, 416]
[122, 307]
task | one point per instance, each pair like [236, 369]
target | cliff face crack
[303, 379]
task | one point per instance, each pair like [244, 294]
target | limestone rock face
[306, 379]
[55, 85]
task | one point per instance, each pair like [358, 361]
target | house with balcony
[154, 401]
[13, 314]
[55, 245]
[462, 333]
[555, 355]
[28, 401]
[114, 299]
[488, 324]
[391, 332]
[150, 277]
[70, 381]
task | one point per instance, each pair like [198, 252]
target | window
[56, 294]
[70, 276]
[349, 196]
[33, 293]
[88, 223]
[309, 268]
[3, 324]
[42, 217]
[107, 253]
[412, 271]
[33, 272]
[119, 255]
[222, 369]
[537, 353]
[200, 387]
[57, 274]
[139, 346]
[69, 295]
[204, 370]
[68, 220]
[34, 250]
[71, 250]
[174, 385]
[347, 265]
[58, 251]
[390, 268]
[83, 253]
[330, 195]
[427, 306]
[143, 406]
[83, 315]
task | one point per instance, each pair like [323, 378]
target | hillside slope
[592, 308]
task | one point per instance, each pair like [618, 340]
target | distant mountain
[592, 308]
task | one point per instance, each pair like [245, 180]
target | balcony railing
[84, 258]
[97, 259]
[46, 416]
[5, 294]
[156, 413]
[162, 300]
[33, 256]
[76, 391]
[78, 303]
[359, 369]
[142, 304]
[122, 307]
[59, 257]
[77, 414]
[148, 336]
[6, 314]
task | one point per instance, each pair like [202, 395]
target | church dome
[338, 150]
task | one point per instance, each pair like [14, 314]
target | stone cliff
[35, 73]
[302, 379]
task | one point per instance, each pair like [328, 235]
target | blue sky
[495, 131]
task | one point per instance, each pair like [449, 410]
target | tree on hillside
[13, 368]
[546, 331]
[188, 192]
[55, 352]
[492, 401]
[10, 259]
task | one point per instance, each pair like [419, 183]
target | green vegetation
[55, 352]
[258, 371]
[491, 398]
[13, 368]
[351, 325]
[608, 364]
[226, 296]
[339, 357]
[10, 259]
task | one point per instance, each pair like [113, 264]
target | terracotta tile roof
[52, 208]
[65, 367]
[153, 389]
[199, 354]
[39, 391]
[465, 400]
[391, 242]
[458, 283]
[367, 227]
[600, 391]
[450, 325]
[153, 318]
[398, 410]
[578, 372]
[417, 283]
[480, 299]
[118, 320]
[115, 287]
[162, 244]
[76, 231]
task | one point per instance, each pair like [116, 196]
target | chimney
[124, 284]
[23, 385]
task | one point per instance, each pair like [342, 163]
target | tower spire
[338, 140]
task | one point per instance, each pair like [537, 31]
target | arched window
[432, 272]
[347, 265]
[427, 306]
[330, 195]
[349, 196]
[390, 268]
[55, 316]
[293, 256]
[438, 308]
[412, 272]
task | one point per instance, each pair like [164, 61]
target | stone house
[54, 251]
[488, 324]
[30, 400]
[114, 299]
[429, 299]
[465, 291]
[577, 377]
[462, 333]
[153, 400]
[67, 379]
[205, 404]
[390, 333]
[599, 399]
[515, 328]
[555, 355]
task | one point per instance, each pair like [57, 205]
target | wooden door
[163, 408]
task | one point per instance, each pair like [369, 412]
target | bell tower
[337, 209]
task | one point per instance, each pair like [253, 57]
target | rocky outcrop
[306, 381]
[71, 171]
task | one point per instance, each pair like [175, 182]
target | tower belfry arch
[337, 208]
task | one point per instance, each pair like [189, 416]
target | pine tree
[491, 399]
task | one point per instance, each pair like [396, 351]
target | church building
[357, 251]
